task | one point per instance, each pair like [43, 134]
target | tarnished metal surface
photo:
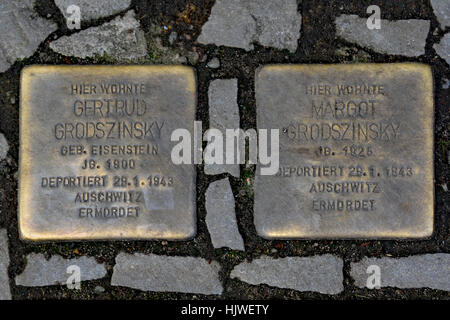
[356, 151]
[95, 153]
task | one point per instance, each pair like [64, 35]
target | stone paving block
[318, 273]
[400, 37]
[4, 147]
[221, 216]
[443, 48]
[441, 9]
[93, 9]
[22, 31]
[166, 274]
[5, 291]
[120, 39]
[421, 271]
[42, 272]
[239, 24]
[223, 114]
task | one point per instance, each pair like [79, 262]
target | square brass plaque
[356, 151]
[95, 153]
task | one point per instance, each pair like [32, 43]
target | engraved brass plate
[356, 151]
[95, 153]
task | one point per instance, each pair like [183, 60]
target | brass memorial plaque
[356, 151]
[95, 153]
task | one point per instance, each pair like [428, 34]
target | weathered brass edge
[30, 235]
[427, 74]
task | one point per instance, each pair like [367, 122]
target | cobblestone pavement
[225, 41]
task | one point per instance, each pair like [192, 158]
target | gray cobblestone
[421, 271]
[236, 23]
[443, 48]
[5, 292]
[93, 9]
[441, 9]
[22, 31]
[401, 37]
[4, 147]
[319, 273]
[41, 272]
[223, 114]
[120, 39]
[221, 216]
[166, 274]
